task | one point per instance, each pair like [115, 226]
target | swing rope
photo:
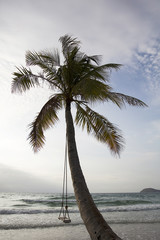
[64, 214]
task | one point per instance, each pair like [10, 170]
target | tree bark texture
[92, 218]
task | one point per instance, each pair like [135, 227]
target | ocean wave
[34, 226]
[75, 209]
[72, 224]
[27, 211]
[72, 202]
[50, 202]
[122, 202]
[131, 208]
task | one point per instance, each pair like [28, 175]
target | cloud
[110, 28]
[147, 61]
[13, 180]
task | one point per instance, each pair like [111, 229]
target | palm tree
[80, 81]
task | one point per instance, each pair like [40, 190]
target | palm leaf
[120, 99]
[43, 59]
[68, 44]
[23, 80]
[95, 58]
[51, 57]
[100, 127]
[91, 90]
[50, 65]
[46, 117]
[101, 72]
[37, 59]
[89, 80]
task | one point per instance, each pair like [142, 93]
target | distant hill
[150, 190]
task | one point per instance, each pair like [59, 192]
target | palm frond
[33, 58]
[90, 80]
[68, 44]
[120, 99]
[43, 59]
[52, 57]
[46, 118]
[100, 127]
[95, 58]
[23, 80]
[49, 63]
[91, 90]
[111, 66]
[101, 73]
[37, 59]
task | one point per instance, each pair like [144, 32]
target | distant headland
[150, 190]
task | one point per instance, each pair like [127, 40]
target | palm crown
[80, 80]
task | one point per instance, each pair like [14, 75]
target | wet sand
[140, 231]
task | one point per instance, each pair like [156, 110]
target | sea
[34, 216]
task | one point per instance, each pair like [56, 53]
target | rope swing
[64, 214]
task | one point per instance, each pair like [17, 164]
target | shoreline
[128, 231]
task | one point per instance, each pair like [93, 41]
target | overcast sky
[125, 32]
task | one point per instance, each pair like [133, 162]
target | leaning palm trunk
[93, 220]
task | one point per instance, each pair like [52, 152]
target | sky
[125, 32]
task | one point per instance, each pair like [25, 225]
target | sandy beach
[125, 231]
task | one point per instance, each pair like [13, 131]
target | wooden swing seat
[64, 219]
[67, 220]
